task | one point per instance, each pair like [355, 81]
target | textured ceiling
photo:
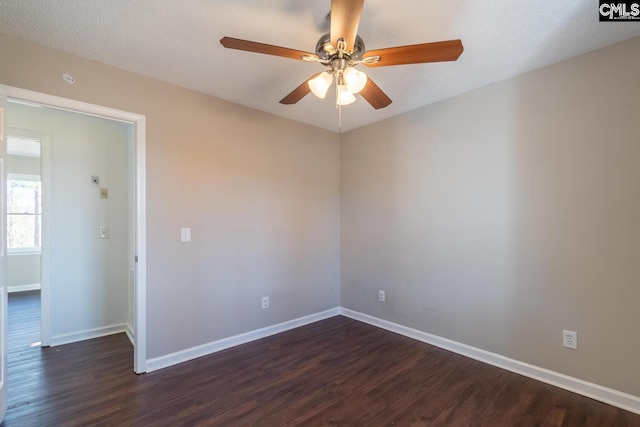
[177, 41]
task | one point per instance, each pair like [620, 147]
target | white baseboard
[23, 288]
[604, 394]
[607, 395]
[225, 343]
[88, 334]
[129, 332]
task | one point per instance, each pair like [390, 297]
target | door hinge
[135, 258]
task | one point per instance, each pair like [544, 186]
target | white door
[3, 258]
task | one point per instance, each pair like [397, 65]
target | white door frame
[140, 297]
[4, 353]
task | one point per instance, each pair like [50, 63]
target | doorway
[135, 274]
[24, 238]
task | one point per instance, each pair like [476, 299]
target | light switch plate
[104, 232]
[185, 234]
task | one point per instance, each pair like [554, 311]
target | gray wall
[505, 215]
[496, 219]
[23, 269]
[260, 193]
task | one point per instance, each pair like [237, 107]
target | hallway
[23, 345]
[24, 321]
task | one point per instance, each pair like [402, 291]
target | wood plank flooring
[337, 372]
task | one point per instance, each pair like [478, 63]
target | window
[24, 213]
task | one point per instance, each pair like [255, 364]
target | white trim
[66, 104]
[603, 394]
[129, 332]
[140, 290]
[23, 288]
[88, 334]
[225, 343]
[24, 95]
[23, 251]
[45, 241]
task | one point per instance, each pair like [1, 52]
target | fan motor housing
[325, 50]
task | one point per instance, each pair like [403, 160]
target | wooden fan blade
[448, 50]
[345, 17]
[298, 93]
[374, 95]
[249, 46]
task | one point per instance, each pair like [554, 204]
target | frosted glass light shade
[344, 96]
[355, 80]
[319, 85]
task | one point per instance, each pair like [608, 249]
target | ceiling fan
[342, 50]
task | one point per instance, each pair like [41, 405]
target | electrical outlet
[570, 339]
[381, 296]
[265, 302]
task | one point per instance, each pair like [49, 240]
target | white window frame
[24, 177]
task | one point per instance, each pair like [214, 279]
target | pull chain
[338, 109]
[338, 106]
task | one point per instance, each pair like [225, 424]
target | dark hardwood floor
[334, 372]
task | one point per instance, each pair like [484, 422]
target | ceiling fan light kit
[320, 85]
[340, 66]
[355, 80]
[341, 50]
[344, 97]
